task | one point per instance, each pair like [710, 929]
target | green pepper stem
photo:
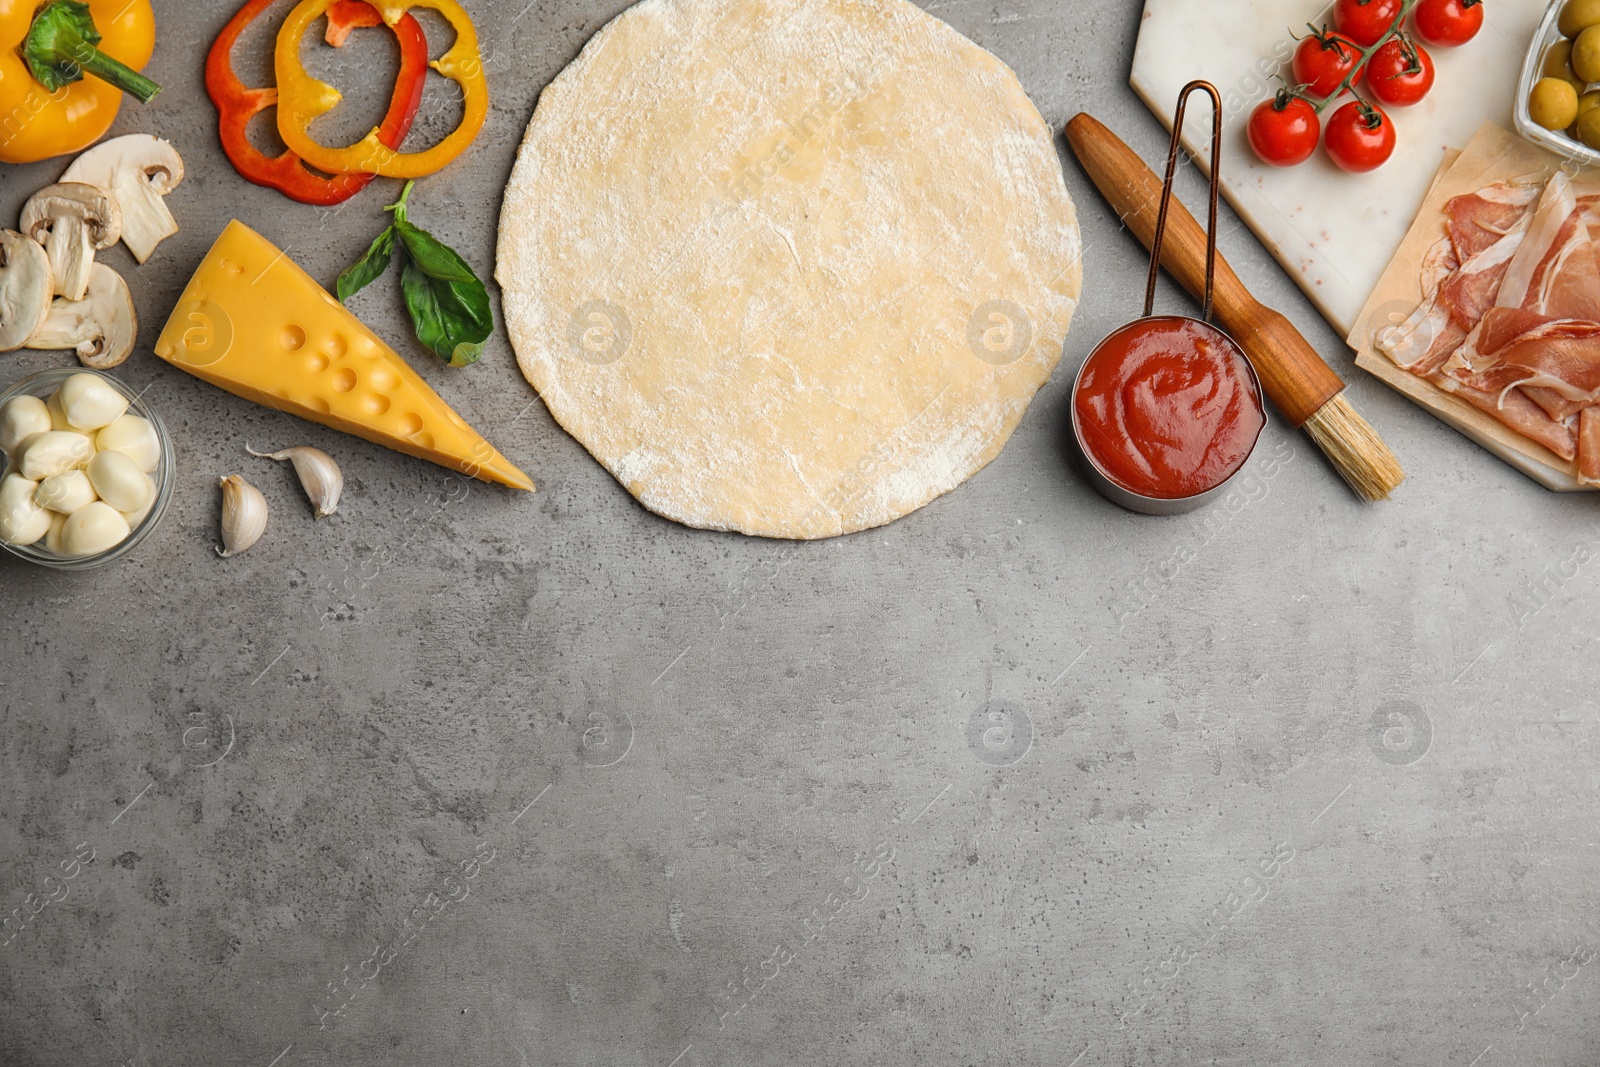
[60, 49]
[119, 74]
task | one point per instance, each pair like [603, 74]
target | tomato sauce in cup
[1167, 408]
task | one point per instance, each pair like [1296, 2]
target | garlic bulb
[319, 475]
[244, 515]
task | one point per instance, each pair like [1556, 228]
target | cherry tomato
[1448, 23]
[1364, 21]
[1400, 73]
[1323, 61]
[1360, 137]
[1284, 131]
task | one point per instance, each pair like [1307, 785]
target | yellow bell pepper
[59, 92]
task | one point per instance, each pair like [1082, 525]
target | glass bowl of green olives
[1558, 97]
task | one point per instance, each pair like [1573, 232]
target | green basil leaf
[445, 317]
[439, 260]
[366, 270]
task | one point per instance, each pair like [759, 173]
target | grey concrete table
[461, 777]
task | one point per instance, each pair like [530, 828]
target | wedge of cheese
[253, 323]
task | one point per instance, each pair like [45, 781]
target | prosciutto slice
[1589, 446]
[1515, 410]
[1442, 322]
[1479, 219]
[1553, 269]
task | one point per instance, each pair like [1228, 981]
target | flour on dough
[787, 267]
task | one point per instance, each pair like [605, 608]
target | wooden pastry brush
[1300, 384]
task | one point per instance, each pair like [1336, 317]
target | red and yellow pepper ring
[237, 103]
[302, 99]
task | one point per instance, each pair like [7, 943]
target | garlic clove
[58, 417]
[118, 481]
[93, 529]
[136, 517]
[52, 539]
[244, 515]
[134, 437]
[22, 521]
[90, 403]
[53, 452]
[319, 475]
[65, 492]
[20, 418]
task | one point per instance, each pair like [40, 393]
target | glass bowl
[1557, 141]
[42, 385]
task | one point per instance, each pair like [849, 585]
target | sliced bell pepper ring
[237, 103]
[302, 98]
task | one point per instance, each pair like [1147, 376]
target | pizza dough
[787, 267]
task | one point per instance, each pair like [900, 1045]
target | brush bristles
[1355, 449]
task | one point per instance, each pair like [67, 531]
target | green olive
[1553, 103]
[1586, 55]
[1558, 64]
[1578, 16]
[1587, 102]
[1588, 129]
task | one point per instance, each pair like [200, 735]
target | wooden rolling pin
[1299, 383]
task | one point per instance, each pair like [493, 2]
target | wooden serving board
[1333, 232]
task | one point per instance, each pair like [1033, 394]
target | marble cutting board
[1333, 232]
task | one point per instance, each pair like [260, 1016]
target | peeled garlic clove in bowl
[135, 438]
[94, 528]
[20, 418]
[89, 403]
[22, 520]
[118, 481]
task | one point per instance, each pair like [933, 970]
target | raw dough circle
[787, 267]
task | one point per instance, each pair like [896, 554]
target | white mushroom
[138, 170]
[101, 327]
[25, 288]
[72, 221]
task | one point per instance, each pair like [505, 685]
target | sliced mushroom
[138, 170]
[101, 327]
[25, 287]
[73, 221]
